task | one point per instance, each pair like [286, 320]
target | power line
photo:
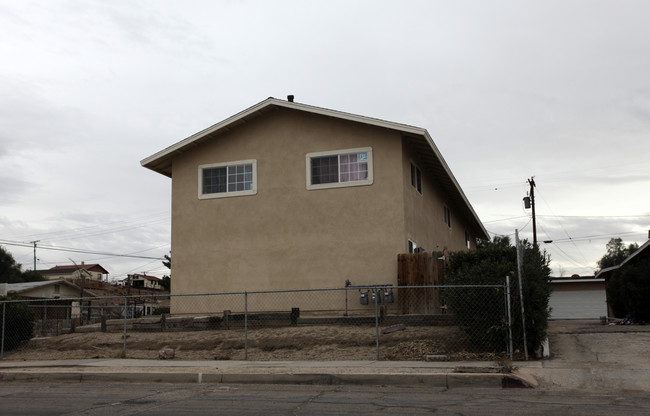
[595, 236]
[594, 216]
[563, 229]
[77, 250]
[95, 230]
[575, 263]
[493, 187]
[506, 219]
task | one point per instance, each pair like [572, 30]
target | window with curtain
[350, 167]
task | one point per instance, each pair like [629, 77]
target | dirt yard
[344, 342]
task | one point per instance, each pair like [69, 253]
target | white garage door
[578, 304]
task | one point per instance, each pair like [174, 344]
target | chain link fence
[353, 323]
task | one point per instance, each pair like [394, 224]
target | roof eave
[643, 247]
[161, 161]
[438, 155]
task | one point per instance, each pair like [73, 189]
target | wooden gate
[420, 269]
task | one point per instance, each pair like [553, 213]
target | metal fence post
[44, 325]
[509, 346]
[2, 344]
[245, 325]
[377, 320]
[126, 306]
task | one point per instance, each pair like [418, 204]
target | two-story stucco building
[285, 195]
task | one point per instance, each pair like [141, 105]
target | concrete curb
[441, 380]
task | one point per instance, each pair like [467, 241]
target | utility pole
[34, 243]
[529, 202]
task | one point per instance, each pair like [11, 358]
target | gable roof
[147, 277]
[19, 288]
[638, 252]
[73, 268]
[417, 137]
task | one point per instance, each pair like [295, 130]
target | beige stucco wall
[424, 213]
[285, 236]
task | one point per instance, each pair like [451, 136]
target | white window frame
[416, 176]
[467, 240]
[227, 194]
[367, 181]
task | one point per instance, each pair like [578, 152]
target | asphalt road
[206, 399]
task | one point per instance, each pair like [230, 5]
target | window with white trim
[447, 216]
[218, 180]
[339, 168]
[467, 241]
[416, 178]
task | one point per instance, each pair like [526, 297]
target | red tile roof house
[145, 281]
[76, 271]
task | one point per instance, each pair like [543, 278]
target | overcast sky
[558, 90]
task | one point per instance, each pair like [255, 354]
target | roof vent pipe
[290, 98]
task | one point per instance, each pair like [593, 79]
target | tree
[10, 271]
[168, 260]
[628, 291]
[166, 281]
[481, 315]
[616, 253]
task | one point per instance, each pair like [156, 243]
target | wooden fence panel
[419, 269]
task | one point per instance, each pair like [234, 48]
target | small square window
[228, 179]
[416, 178]
[352, 167]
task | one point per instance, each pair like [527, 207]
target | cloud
[12, 188]
[507, 90]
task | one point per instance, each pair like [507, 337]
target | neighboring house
[289, 196]
[578, 297]
[52, 309]
[142, 281]
[642, 252]
[76, 271]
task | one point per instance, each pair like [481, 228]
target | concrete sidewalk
[585, 356]
[438, 374]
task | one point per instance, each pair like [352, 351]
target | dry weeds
[323, 343]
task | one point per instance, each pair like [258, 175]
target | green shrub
[481, 314]
[628, 291]
[18, 323]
